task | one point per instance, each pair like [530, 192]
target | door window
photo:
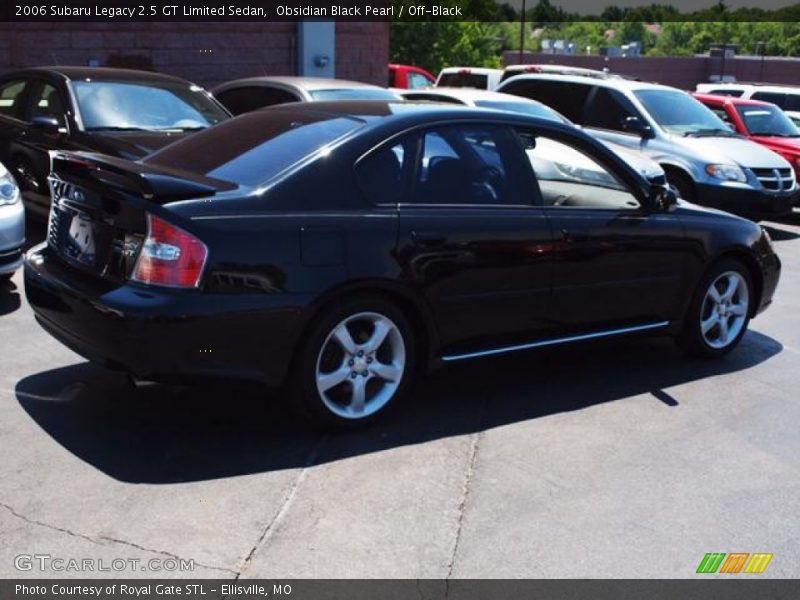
[567, 98]
[570, 178]
[418, 82]
[773, 97]
[608, 110]
[47, 102]
[11, 94]
[381, 174]
[480, 165]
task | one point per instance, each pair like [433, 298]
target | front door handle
[429, 239]
[575, 235]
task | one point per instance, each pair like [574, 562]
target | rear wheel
[356, 362]
[719, 314]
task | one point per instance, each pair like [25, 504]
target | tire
[717, 320]
[682, 185]
[340, 379]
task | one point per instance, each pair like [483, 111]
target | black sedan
[343, 247]
[119, 112]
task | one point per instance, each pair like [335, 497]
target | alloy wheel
[724, 311]
[360, 365]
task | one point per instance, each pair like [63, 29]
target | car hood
[782, 144]
[637, 161]
[732, 150]
[131, 145]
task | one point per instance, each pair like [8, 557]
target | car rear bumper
[164, 334]
[746, 201]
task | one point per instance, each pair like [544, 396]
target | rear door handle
[575, 235]
[425, 238]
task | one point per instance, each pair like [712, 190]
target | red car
[409, 78]
[759, 121]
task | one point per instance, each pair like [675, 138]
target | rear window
[469, 80]
[565, 97]
[255, 147]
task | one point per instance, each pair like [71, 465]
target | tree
[435, 45]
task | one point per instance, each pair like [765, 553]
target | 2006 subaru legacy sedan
[341, 247]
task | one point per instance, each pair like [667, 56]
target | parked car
[341, 247]
[119, 112]
[407, 77]
[245, 95]
[787, 97]
[704, 160]
[12, 225]
[498, 101]
[514, 70]
[470, 77]
[761, 122]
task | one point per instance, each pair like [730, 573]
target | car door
[617, 263]
[472, 239]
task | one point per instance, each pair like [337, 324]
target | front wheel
[718, 316]
[356, 362]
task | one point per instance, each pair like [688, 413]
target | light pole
[522, 32]
[761, 49]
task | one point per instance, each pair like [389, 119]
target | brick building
[205, 53]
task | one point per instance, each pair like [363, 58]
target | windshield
[679, 113]
[528, 108]
[354, 94]
[255, 147]
[767, 120]
[146, 105]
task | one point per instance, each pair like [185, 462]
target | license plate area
[78, 237]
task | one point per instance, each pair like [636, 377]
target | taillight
[169, 256]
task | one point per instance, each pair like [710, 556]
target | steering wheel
[489, 179]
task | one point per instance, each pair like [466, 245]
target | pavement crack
[473, 455]
[105, 540]
[311, 460]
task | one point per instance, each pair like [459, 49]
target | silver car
[12, 225]
[704, 160]
[245, 95]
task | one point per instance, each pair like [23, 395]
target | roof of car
[99, 73]
[306, 83]
[469, 94]
[722, 99]
[611, 82]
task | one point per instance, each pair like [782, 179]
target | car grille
[776, 180]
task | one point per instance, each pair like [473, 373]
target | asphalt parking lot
[616, 459]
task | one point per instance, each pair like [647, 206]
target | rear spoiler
[157, 184]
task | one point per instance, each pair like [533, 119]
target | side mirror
[663, 199]
[637, 126]
[48, 124]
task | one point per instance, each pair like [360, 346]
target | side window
[418, 82]
[570, 178]
[481, 165]
[779, 99]
[607, 110]
[721, 113]
[792, 102]
[247, 99]
[567, 98]
[381, 174]
[727, 92]
[47, 102]
[11, 94]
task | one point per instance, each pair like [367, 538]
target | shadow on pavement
[9, 297]
[160, 434]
